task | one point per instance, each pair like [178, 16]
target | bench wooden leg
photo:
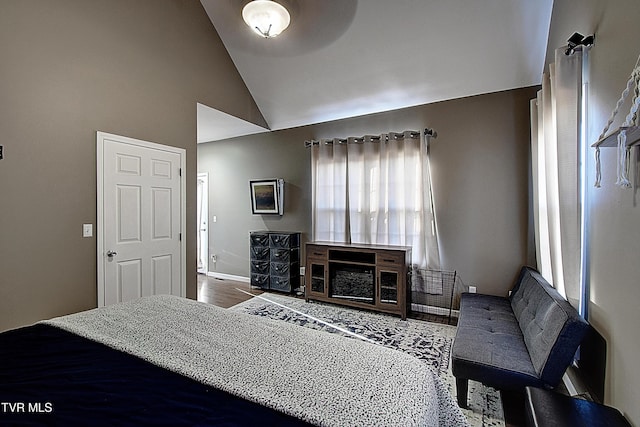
[462, 387]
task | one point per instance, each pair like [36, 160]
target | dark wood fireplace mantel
[373, 277]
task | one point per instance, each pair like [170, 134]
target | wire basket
[435, 289]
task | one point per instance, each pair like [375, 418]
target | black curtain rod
[430, 132]
[395, 135]
[576, 41]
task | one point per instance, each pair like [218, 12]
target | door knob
[111, 254]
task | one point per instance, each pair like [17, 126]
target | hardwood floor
[224, 293]
[227, 293]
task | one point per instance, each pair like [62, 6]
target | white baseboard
[571, 388]
[574, 382]
[229, 277]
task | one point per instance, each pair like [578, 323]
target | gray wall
[230, 165]
[480, 176]
[73, 67]
[614, 234]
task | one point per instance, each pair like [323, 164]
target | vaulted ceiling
[346, 58]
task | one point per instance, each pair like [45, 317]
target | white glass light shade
[266, 17]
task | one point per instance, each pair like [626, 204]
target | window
[376, 190]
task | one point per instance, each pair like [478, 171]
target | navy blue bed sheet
[55, 378]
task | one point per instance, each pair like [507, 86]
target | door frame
[204, 176]
[100, 138]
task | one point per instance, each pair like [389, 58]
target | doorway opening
[203, 221]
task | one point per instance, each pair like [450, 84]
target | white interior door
[203, 221]
[140, 219]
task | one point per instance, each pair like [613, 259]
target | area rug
[429, 342]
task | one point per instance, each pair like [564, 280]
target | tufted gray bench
[527, 339]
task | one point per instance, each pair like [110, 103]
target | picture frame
[266, 196]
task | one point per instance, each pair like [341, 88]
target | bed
[166, 360]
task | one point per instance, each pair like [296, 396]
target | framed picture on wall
[266, 196]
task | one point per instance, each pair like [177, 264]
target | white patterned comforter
[321, 378]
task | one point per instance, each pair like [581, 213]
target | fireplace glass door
[317, 278]
[388, 287]
[352, 282]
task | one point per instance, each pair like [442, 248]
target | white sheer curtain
[556, 117]
[376, 190]
[329, 191]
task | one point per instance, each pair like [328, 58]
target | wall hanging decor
[626, 136]
[267, 196]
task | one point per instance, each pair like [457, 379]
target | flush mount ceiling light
[267, 18]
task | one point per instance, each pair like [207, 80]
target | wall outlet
[472, 289]
[214, 258]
